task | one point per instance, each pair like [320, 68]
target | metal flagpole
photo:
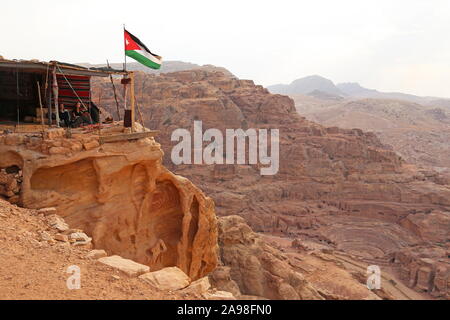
[124, 49]
[124, 69]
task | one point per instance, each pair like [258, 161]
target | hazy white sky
[400, 45]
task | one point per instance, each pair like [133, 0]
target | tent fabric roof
[66, 68]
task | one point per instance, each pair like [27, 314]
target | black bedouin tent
[30, 90]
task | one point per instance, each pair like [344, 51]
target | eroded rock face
[120, 195]
[257, 268]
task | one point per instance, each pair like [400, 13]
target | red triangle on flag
[130, 44]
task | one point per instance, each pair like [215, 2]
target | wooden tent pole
[49, 105]
[125, 96]
[114, 90]
[17, 98]
[47, 94]
[140, 114]
[55, 95]
[40, 104]
[133, 100]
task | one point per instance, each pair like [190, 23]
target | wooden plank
[30, 129]
[40, 103]
[72, 70]
[128, 136]
[23, 128]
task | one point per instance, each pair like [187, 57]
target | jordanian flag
[135, 49]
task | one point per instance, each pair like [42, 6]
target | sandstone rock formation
[339, 189]
[96, 254]
[170, 278]
[127, 266]
[199, 286]
[119, 194]
[219, 295]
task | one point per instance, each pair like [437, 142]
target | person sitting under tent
[77, 121]
[80, 116]
[64, 116]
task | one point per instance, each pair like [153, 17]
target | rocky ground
[37, 250]
[33, 265]
[10, 184]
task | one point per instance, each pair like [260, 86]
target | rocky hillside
[167, 67]
[254, 266]
[310, 84]
[341, 189]
[416, 127]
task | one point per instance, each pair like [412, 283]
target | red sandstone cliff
[119, 193]
[337, 188]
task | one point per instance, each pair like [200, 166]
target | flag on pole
[135, 49]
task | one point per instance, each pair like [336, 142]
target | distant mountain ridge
[355, 90]
[419, 133]
[418, 128]
[311, 85]
[307, 85]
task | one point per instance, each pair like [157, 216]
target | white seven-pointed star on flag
[126, 41]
